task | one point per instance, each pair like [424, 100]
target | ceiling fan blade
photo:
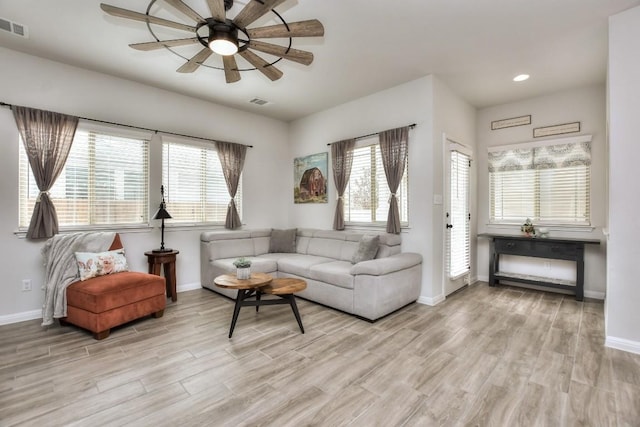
[179, 4]
[254, 10]
[217, 9]
[295, 55]
[161, 44]
[136, 16]
[231, 72]
[263, 66]
[191, 65]
[310, 28]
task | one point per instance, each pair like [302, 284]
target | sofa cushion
[367, 249]
[330, 248]
[300, 264]
[335, 273]
[283, 241]
[258, 264]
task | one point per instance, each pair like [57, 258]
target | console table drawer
[538, 248]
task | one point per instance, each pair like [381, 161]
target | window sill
[379, 227]
[194, 226]
[142, 228]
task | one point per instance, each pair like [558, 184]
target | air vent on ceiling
[14, 28]
[259, 101]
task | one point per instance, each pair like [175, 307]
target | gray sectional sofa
[323, 258]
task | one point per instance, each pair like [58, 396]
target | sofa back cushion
[340, 245]
[343, 245]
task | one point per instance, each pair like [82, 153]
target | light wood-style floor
[486, 356]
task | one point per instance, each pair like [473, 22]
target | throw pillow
[283, 240]
[101, 263]
[367, 249]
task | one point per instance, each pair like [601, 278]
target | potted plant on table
[528, 229]
[243, 268]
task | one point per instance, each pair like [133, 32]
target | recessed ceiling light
[521, 77]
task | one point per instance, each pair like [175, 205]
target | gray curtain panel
[47, 138]
[341, 160]
[394, 145]
[232, 160]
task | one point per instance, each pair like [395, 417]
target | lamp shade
[161, 213]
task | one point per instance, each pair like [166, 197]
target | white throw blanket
[61, 268]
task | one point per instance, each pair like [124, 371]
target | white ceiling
[475, 46]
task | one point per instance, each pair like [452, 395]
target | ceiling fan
[228, 37]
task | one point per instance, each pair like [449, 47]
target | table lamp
[162, 214]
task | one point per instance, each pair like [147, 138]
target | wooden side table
[168, 259]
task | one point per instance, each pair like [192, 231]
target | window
[104, 181]
[547, 182]
[195, 189]
[367, 194]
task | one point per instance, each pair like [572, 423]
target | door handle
[449, 225]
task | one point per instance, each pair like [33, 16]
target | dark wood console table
[551, 248]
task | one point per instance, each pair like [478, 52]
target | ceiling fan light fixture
[223, 40]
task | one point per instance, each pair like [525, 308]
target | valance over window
[542, 157]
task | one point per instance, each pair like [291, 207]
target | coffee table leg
[236, 310]
[294, 307]
[258, 294]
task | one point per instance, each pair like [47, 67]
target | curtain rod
[4, 104]
[411, 126]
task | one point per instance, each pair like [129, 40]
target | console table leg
[493, 263]
[580, 279]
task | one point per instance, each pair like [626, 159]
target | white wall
[412, 102]
[39, 83]
[623, 292]
[586, 105]
[454, 118]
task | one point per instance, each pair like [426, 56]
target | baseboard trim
[20, 317]
[188, 287]
[37, 314]
[594, 294]
[431, 301]
[623, 344]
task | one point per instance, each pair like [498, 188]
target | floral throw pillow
[98, 264]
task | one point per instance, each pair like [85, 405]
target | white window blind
[459, 216]
[104, 182]
[550, 184]
[366, 198]
[195, 189]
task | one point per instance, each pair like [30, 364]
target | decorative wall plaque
[509, 123]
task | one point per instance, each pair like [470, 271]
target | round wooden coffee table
[246, 289]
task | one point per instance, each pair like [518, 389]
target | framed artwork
[556, 129]
[310, 178]
[509, 123]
